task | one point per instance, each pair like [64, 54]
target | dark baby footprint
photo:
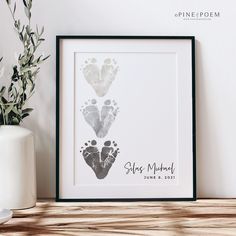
[100, 162]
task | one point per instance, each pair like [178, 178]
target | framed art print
[125, 118]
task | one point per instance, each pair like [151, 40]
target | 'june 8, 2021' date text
[158, 177]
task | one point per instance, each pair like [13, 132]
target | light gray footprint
[100, 121]
[108, 73]
[109, 112]
[100, 79]
[92, 115]
[91, 71]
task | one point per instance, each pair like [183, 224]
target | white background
[144, 129]
[216, 74]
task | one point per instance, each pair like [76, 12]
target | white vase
[17, 168]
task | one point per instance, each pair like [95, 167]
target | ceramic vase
[17, 168]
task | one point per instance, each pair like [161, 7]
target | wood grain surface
[204, 217]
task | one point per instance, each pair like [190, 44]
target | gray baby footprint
[109, 112]
[92, 115]
[100, 79]
[91, 156]
[100, 162]
[108, 156]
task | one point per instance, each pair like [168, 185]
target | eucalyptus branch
[22, 81]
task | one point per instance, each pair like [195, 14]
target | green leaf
[14, 9]
[44, 59]
[28, 30]
[32, 40]
[21, 36]
[15, 121]
[4, 101]
[25, 70]
[25, 3]
[27, 110]
[8, 110]
[22, 29]
[16, 25]
[42, 31]
[27, 13]
[37, 29]
[35, 72]
[15, 93]
[10, 88]
[20, 91]
[30, 82]
[18, 22]
[30, 4]
[15, 111]
[2, 91]
[25, 37]
[24, 115]
[39, 59]
[32, 88]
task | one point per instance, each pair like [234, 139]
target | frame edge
[58, 38]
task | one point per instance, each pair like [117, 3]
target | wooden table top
[204, 217]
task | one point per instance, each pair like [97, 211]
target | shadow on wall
[43, 127]
[207, 142]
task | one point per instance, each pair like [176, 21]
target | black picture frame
[58, 54]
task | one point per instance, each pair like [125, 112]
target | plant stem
[3, 116]
[11, 13]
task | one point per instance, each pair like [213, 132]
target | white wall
[216, 74]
